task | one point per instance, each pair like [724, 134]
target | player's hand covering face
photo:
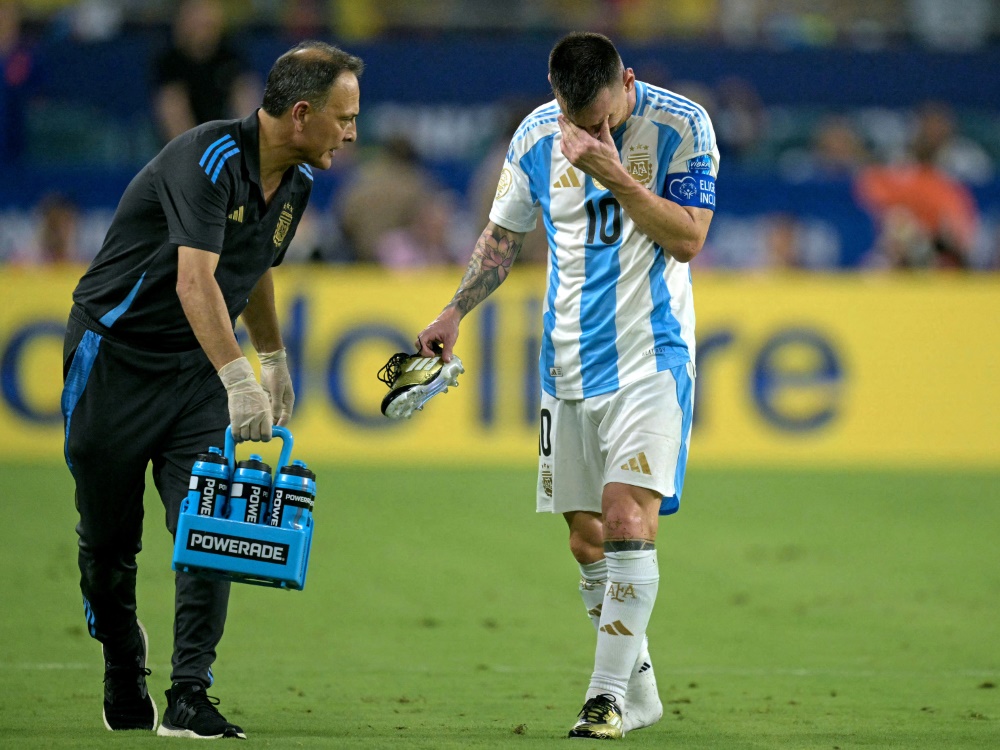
[594, 154]
[586, 134]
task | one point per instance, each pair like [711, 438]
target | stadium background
[796, 367]
[816, 354]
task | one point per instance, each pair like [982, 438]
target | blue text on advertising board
[770, 377]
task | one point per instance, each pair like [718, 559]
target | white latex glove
[249, 409]
[277, 384]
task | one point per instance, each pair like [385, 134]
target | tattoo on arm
[490, 263]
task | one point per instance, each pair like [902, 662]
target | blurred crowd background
[855, 134]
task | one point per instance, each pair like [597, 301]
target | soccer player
[623, 174]
[152, 369]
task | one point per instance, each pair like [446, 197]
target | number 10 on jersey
[610, 212]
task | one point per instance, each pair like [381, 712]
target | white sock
[593, 586]
[633, 578]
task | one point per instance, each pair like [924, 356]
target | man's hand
[597, 156]
[440, 336]
[277, 384]
[249, 409]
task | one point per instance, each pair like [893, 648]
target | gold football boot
[414, 380]
[599, 719]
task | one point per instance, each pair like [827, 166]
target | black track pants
[124, 408]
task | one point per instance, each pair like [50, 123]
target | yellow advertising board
[792, 370]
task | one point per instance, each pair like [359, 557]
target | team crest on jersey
[284, 224]
[506, 179]
[639, 164]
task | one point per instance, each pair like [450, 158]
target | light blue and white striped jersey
[617, 307]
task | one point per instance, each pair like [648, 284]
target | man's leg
[110, 504]
[106, 448]
[630, 525]
[644, 430]
[642, 702]
[109, 499]
[200, 604]
[586, 542]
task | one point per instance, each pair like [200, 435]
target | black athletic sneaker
[191, 712]
[599, 719]
[127, 702]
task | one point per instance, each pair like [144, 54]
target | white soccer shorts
[637, 435]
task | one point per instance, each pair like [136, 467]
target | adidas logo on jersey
[568, 179]
[638, 464]
[237, 215]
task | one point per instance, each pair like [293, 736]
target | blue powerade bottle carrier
[220, 546]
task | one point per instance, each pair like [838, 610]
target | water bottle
[209, 485]
[293, 497]
[251, 490]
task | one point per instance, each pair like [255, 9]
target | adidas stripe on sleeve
[194, 192]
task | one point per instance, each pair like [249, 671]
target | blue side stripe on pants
[76, 381]
[88, 612]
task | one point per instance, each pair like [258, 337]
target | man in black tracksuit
[152, 369]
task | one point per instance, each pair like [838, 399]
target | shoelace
[391, 371]
[595, 711]
[199, 699]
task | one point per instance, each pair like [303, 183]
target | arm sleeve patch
[692, 189]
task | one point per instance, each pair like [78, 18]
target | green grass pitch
[796, 610]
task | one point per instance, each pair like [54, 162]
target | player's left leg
[621, 664]
[642, 700]
[630, 524]
[644, 432]
[200, 604]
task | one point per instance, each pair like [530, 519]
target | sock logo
[615, 628]
[596, 611]
[621, 591]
